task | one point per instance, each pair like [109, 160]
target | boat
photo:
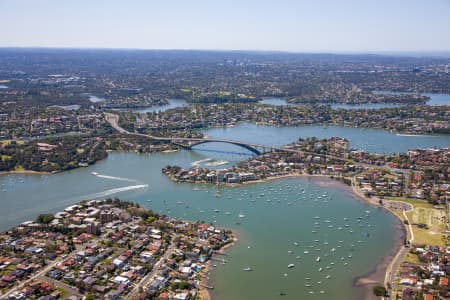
[149, 200]
[216, 210]
[318, 259]
[227, 213]
[290, 266]
[328, 277]
[241, 215]
[248, 269]
[306, 252]
[94, 173]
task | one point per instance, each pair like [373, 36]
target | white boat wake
[115, 191]
[198, 162]
[216, 163]
[114, 178]
[416, 135]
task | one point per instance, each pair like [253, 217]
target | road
[36, 276]
[398, 259]
[70, 289]
[113, 120]
[156, 267]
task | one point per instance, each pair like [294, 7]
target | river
[282, 222]
[436, 99]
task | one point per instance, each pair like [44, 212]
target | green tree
[379, 291]
[45, 218]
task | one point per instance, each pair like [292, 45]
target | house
[443, 281]
[34, 250]
[181, 296]
[121, 280]
[118, 263]
[427, 297]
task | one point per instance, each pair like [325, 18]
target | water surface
[288, 221]
[173, 103]
[273, 216]
[372, 140]
[435, 100]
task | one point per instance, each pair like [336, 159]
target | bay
[275, 221]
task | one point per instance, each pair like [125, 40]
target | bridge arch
[250, 148]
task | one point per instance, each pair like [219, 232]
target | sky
[280, 25]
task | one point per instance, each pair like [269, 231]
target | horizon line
[414, 53]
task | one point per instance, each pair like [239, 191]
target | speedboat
[248, 269]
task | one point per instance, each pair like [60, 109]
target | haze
[300, 26]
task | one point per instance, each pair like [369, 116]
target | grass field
[435, 219]
[412, 258]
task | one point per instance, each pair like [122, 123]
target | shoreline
[365, 282]
[378, 274]
[28, 172]
[205, 293]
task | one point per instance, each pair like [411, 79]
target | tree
[45, 218]
[379, 291]
[90, 296]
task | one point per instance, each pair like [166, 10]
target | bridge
[188, 143]
[250, 147]
[191, 142]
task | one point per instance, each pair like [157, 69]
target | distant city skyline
[347, 26]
